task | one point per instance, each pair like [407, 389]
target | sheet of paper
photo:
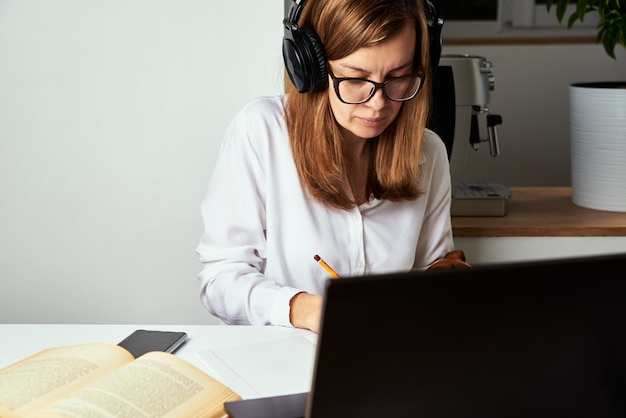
[268, 368]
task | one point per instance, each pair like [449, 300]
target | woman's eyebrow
[362, 70]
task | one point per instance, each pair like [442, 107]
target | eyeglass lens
[359, 90]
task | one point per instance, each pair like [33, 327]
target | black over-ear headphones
[304, 55]
[435, 24]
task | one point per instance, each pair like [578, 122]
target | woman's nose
[378, 100]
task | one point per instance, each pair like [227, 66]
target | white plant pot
[598, 145]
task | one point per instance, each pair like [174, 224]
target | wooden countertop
[542, 211]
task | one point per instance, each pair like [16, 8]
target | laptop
[542, 339]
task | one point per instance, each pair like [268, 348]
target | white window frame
[521, 19]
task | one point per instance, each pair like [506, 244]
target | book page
[156, 384]
[261, 369]
[53, 373]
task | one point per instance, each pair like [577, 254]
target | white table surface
[21, 340]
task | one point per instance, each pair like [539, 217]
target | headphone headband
[295, 10]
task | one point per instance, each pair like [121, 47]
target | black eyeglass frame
[377, 86]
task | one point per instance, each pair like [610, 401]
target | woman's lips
[372, 122]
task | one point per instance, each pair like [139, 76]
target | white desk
[22, 340]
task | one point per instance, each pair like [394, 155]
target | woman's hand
[306, 311]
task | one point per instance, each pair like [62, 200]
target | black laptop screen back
[528, 339]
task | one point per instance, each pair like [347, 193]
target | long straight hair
[344, 26]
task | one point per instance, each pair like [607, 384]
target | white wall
[111, 114]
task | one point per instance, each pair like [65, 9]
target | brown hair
[344, 26]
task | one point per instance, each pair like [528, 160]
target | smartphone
[142, 341]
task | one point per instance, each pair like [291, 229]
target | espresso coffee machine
[463, 120]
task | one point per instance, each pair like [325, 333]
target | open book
[99, 379]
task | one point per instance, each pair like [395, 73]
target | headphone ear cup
[305, 60]
[318, 60]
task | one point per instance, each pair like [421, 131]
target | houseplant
[612, 24]
[598, 114]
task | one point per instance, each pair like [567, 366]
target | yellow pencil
[322, 263]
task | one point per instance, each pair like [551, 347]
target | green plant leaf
[560, 9]
[611, 29]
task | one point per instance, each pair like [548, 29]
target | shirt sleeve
[232, 248]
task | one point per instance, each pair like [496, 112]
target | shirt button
[359, 264]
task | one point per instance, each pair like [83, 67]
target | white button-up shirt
[262, 228]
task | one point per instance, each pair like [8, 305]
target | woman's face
[388, 59]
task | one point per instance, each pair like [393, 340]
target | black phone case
[142, 341]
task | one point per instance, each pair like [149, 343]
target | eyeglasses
[352, 90]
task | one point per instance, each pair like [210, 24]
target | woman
[346, 170]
